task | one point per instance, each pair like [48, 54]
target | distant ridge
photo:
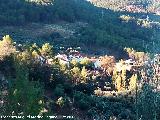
[42, 2]
[152, 6]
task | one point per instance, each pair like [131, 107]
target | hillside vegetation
[129, 5]
[37, 82]
[105, 28]
[75, 59]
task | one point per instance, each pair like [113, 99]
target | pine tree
[74, 62]
[24, 57]
[76, 74]
[118, 83]
[114, 76]
[133, 82]
[146, 103]
[47, 50]
[24, 96]
[6, 47]
[84, 75]
[85, 61]
[123, 75]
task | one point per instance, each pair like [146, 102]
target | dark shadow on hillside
[104, 28]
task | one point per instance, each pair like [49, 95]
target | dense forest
[79, 59]
[104, 26]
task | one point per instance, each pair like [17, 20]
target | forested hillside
[105, 28]
[80, 59]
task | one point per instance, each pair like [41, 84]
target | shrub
[92, 112]
[60, 101]
[59, 91]
[83, 105]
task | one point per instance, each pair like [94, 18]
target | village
[108, 74]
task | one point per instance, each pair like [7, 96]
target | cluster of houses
[99, 70]
[129, 64]
[66, 58]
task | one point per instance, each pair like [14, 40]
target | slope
[104, 29]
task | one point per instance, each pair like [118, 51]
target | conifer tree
[133, 81]
[24, 96]
[47, 50]
[84, 74]
[118, 83]
[114, 76]
[76, 74]
[6, 47]
[123, 76]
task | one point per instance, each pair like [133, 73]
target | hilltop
[136, 6]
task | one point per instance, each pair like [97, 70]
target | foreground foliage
[49, 88]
